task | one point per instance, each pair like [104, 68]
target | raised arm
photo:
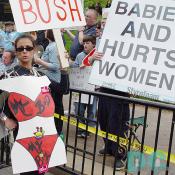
[70, 34]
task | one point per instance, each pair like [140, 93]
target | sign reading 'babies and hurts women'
[32, 15]
[139, 51]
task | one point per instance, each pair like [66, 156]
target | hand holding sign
[43, 14]
[31, 15]
[138, 51]
[91, 57]
[61, 48]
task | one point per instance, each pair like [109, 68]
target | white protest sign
[79, 79]
[32, 15]
[105, 11]
[37, 146]
[138, 47]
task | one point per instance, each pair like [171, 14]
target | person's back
[50, 56]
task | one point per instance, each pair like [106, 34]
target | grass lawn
[68, 40]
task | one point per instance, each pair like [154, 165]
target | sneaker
[79, 132]
[120, 165]
[107, 153]
[84, 134]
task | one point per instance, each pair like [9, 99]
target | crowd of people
[25, 59]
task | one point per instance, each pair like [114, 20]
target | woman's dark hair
[23, 37]
[50, 35]
[90, 38]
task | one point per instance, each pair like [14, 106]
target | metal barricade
[149, 140]
[149, 147]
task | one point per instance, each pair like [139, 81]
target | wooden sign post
[61, 49]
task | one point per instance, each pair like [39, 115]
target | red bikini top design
[23, 108]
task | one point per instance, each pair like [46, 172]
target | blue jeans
[80, 109]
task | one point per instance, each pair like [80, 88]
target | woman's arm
[70, 34]
[47, 65]
[81, 35]
[9, 123]
[49, 58]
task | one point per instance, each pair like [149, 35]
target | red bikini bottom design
[40, 149]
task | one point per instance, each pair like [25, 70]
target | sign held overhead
[138, 47]
[46, 14]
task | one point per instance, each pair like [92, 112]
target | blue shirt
[7, 38]
[51, 56]
[78, 60]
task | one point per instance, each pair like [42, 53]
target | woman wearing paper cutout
[37, 146]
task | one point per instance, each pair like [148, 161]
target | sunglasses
[21, 49]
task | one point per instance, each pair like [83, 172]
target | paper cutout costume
[37, 146]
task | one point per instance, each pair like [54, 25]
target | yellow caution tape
[135, 145]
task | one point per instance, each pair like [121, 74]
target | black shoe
[79, 132]
[85, 134]
[107, 153]
[120, 165]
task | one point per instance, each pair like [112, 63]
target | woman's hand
[81, 29]
[36, 59]
[66, 54]
[10, 124]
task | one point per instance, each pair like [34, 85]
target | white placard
[105, 11]
[79, 79]
[138, 47]
[37, 146]
[32, 15]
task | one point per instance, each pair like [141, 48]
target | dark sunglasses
[21, 49]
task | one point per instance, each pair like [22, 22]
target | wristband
[3, 117]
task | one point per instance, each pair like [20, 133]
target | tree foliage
[89, 3]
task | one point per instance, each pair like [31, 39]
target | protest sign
[138, 47]
[37, 145]
[105, 11]
[79, 79]
[31, 15]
